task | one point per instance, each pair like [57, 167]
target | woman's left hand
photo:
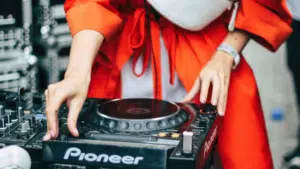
[216, 72]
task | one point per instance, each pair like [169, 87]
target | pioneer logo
[208, 144]
[75, 152]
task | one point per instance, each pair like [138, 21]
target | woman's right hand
[74, 87]
[73, 90]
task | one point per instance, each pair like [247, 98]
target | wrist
[237, 39]
[83, 75]
[224, 57]
[230, 55]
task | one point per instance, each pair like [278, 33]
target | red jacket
[243, 142]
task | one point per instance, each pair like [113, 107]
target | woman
[128, 56]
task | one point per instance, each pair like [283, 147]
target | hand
[72, 89]
[216, 72]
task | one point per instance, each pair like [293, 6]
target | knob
[2, 123]
[2, 111]
[7, 120]
[25, 127]
[13, 116]
[208, 109]
[20, 113]
[29, 121]
[187, 146]
[33, 120]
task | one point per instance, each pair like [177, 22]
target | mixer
[120, 133]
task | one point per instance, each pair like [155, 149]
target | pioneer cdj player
[114, 134]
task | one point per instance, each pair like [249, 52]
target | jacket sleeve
[98, 15]
[268, 21]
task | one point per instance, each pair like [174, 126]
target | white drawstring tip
[231, 24]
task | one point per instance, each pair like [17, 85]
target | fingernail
[76, 132]
[46, 137]
[221, 113]
[52, 133]
[202, 100]
[214, 102]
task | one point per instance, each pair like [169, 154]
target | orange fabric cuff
[93, 16]
[265, 26]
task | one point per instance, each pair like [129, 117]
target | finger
[221, 96]
[204, 88]
[226, 87]
[52, 123]
[55, 99]
[216, 90]
[195, 89]
[48, 134]
[74, 110]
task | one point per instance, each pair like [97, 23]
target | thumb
[74, 110]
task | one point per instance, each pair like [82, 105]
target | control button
[184, 116]
[112, 124]
[162, 134]
[187, 142]
[179, 119]
[175, 135]
[102, 122]
[27, 112]
[162, 124]
[151, 125]
[137, 126]
[178, 153]
[172, 122]
[124, 125]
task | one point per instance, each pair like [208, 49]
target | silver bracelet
[232, 52]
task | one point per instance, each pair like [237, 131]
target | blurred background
[35, 44]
